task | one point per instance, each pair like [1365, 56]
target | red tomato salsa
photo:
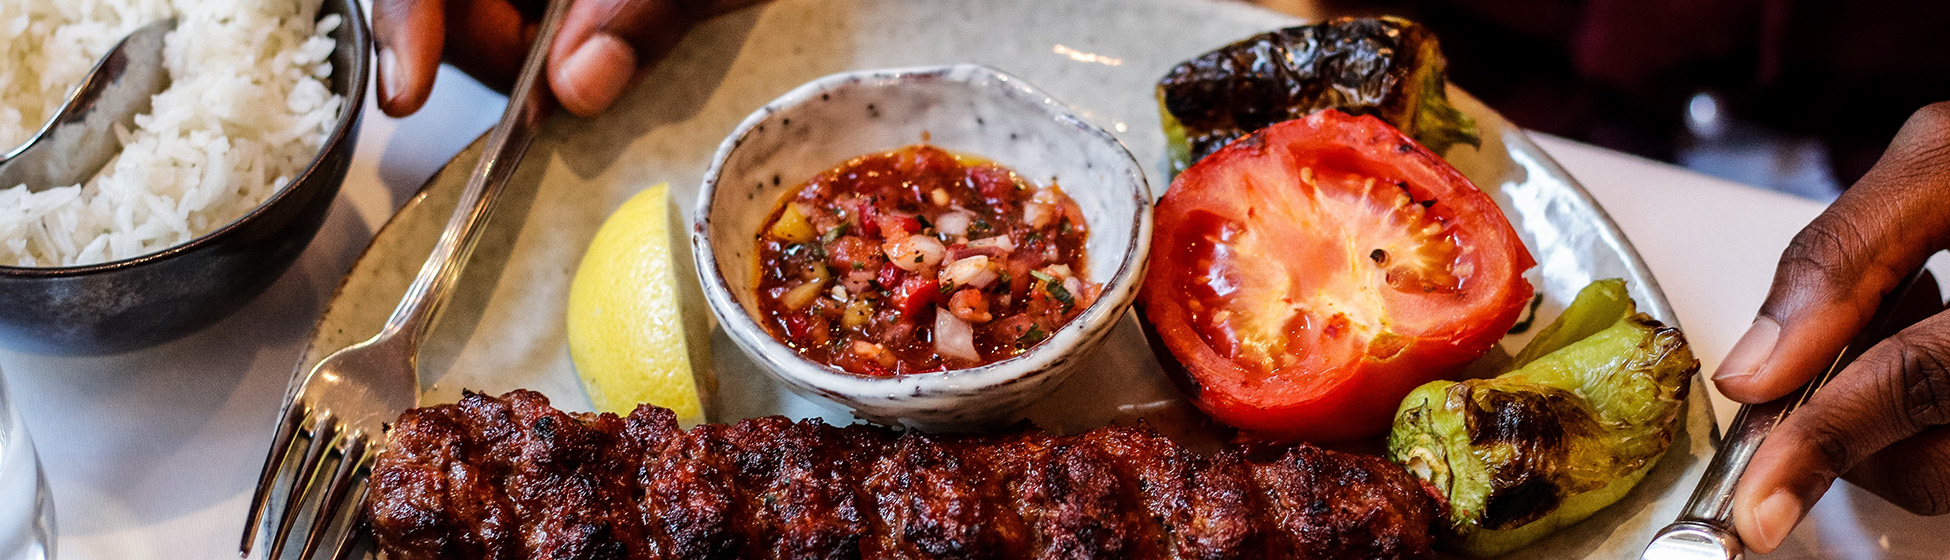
[920, 260]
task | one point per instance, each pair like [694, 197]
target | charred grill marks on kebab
[514, 478]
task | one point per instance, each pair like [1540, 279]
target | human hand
[602, 47]
[1884, 421]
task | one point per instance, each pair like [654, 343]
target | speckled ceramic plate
[504, 330]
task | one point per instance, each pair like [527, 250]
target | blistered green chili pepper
[1548, 444]
[1597, 306]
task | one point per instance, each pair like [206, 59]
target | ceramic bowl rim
[359, 37]
[1119, 290]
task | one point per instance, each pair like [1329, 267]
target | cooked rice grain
[246, 109]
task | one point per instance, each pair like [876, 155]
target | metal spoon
[80, 138]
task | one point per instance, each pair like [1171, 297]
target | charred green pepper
[1388, 67]
[1597, 306]
[1548, 444]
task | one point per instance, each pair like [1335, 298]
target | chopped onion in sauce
[972, 271]
[1002, 242]
[953, 223]
[1037, 214]
[915, 252]
[953, 337]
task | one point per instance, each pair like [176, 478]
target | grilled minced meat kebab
[514, 478]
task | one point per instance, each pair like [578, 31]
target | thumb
[1836, 271]
[605, 43]
[409, 35]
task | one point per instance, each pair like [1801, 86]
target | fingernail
[1774, 518]
[1751, 352]
[598, 71]
[389, 74]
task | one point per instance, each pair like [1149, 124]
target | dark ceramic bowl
[142, 301]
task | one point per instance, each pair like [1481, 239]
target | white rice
[246, 109]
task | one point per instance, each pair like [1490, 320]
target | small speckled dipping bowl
[965, 109]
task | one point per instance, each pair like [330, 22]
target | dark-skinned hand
[603, 47]
[1883, 423]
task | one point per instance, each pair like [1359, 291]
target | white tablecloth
[152, 454]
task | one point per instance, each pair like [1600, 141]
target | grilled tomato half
[1308, 276]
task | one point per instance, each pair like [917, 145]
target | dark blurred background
[1796, 96]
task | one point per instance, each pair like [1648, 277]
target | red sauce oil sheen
[920, 260]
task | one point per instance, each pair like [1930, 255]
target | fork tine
[352, 457]
[294, 416]
[352, 534]
[323, 438]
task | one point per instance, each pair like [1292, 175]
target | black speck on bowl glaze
[138, 302]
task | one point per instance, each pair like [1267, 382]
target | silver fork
[345, 401]
[1704, 530]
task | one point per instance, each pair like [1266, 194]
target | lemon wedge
[637, 328]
